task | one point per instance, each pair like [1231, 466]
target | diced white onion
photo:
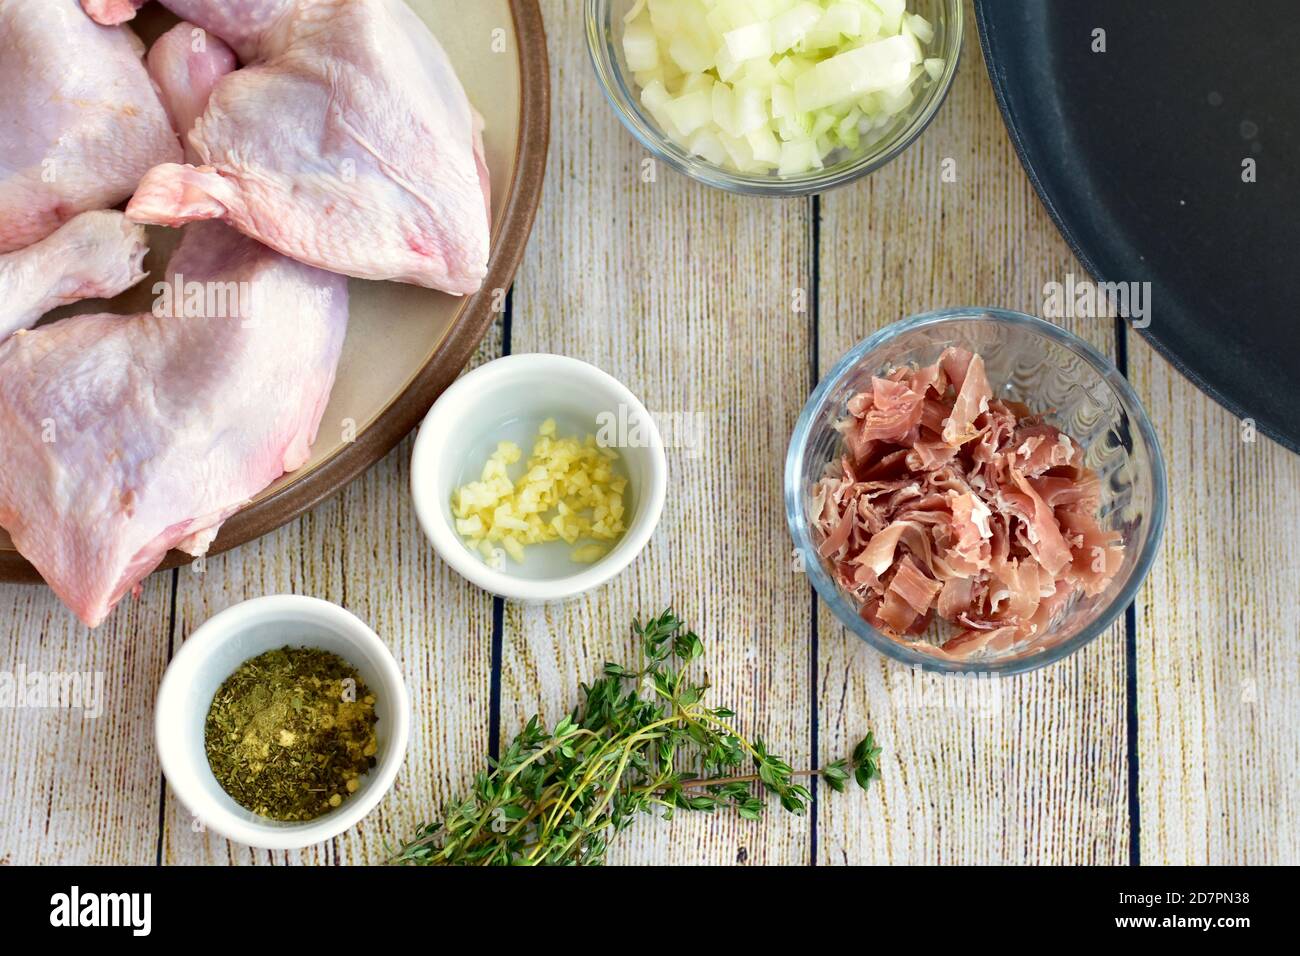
[690, 112]
[640, 46]
[751, 42]
[790, 28]
[777, 85]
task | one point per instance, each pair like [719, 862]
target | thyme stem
[559, 796]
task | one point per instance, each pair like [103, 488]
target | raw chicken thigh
[80, 121]
[94, 256]
[126, 436]
[348, 143]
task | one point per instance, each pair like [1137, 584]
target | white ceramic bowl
[213, 652]
[507, 400]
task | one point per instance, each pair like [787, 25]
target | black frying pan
[1138, 154]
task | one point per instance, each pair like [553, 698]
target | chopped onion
[640, 46]
[784, 86]
[750, 43]
[789, 29]
[690, 112]
[866, 69]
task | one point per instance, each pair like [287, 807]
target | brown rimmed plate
[405, 344]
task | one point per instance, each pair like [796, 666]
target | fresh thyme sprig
[642, 741]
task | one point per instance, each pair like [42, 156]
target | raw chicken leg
[349, 143]
[241, 23]
[126, 436]
[94, 256]
[187, 64]
[80, 121]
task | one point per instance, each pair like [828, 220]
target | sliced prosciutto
[951, 503]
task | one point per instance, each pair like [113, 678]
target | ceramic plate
[405, 344]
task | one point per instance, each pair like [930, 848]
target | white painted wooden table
[1175, 738]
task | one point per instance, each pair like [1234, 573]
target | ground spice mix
[290, 733]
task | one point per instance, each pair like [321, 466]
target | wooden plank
[364, 549]
[82, 789]
[1039, 776]
[1218, 627]
[685, 295]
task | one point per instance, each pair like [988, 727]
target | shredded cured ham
[951, 502]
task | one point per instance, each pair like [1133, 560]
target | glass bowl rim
[604, 62]
[830, 593]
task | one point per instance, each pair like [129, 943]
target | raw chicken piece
[187, 64]
[241, 23]
[80, 121]
[94, 256]
[348, 144]
[112, 12]
[126, 436]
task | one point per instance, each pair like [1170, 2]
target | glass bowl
[604, 42]
[1050, 370]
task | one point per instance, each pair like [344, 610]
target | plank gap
[814, 376]
[498, 603]
[162, 780]
[1130, 665]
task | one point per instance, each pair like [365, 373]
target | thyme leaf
[641, 742]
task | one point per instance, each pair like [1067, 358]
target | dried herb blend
[290, 733]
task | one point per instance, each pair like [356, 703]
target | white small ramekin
[213, 652]
[532, 388]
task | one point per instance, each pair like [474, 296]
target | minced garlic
[568, 491]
